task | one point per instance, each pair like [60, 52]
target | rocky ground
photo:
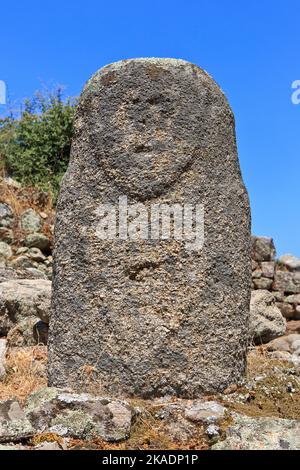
[261, 413]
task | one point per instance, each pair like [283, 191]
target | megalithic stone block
[141, 307]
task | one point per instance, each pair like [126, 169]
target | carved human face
[148, 141]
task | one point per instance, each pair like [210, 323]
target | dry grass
[270, 396]
[259, 362]
[20, 199]
[46, 437]
[26, 372]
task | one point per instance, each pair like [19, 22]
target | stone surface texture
[80, 416]
[266, 320]
[149, 316]
[261, 434]
[23, 298]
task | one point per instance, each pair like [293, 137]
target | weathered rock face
[31, 221]
[290, 262]
[266, 320]
[281, 277]
[6, 215]
[80, 416]
[13, 423]
[261, 434]
[38, 240]
[150, 317]
[20, 299]
[263, 249]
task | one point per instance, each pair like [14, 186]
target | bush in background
[35, 145]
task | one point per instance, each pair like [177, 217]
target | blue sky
[250, 48]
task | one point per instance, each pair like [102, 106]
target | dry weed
[26, 372]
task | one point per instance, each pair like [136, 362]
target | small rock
[11, 182]
[23, 298]
[293, 299]
[14, 426]
[6, 216]
[213, 431]
[5, 250]
[208, 412]
[295, 345]
[254, 265]
[12, 446]
[287, 310]
[263, 283]
[279, 296]
[268, 269]
[290, 388]
[266, 320]
[289, 343]
[21, 250]
[293, 326]
[256, 274]
[292, 338]
[281, 355]
[290, 262]
[31, 221]
[22, 261]
[295, 359]
[231, 389]
[7, 273]
[6, 235]
[263, 249]
[259, 378]
[279, 344]
[38, 240]
[36, 255]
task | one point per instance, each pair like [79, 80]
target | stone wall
[279, 276]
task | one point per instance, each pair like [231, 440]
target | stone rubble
[58, 416]
[281, 277]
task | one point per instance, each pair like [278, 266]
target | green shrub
[35, 146]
